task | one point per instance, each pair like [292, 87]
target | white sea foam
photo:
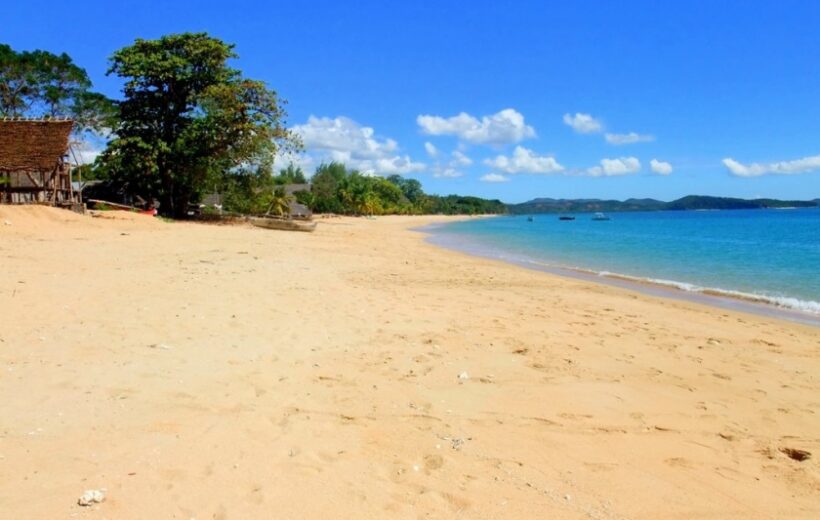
[784, 302]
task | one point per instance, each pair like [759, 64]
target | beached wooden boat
[284, 224]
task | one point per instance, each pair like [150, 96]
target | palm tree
[279, 203]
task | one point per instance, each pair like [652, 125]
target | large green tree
[42, 84]
[188, 118]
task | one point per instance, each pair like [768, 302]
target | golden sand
[231, 372]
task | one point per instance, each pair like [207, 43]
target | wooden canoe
[283, 224]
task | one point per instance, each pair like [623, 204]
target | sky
[508, 100]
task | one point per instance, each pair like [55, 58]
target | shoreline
[719, 298]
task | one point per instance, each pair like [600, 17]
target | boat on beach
[283, 224]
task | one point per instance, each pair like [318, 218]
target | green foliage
[291, 175]
[279, 202]
[335, 189]
[41, 84]
[188, 121]
[247, 191]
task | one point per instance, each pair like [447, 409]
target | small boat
[566, 217]
[529, 219]
[284, 224]
[600, 216]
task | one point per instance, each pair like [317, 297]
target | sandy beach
[230, 372]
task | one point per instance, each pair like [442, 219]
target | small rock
[6, 223]
[457, 443]
[91, 496]
[464, 376]
[160, 346]
[567, 498]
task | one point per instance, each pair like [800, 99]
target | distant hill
[691, 202]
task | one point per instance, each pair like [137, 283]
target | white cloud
[629, 138]
[804, 165]
[449, 173]
[525, 161]
[89, 145]
[461, 159]
[504, 127]
[660, 167]
[432, 151]
[85, 153]
[494, 177]
[344, 140]
[583, 123]
[614, 167]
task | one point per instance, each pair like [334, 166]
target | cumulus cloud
[461, 159]
[343, 139]
[525, 161]
[432, 151]
[504, 127]
[629, 138]
[804, 165]
[660, 167]
[89, 145]
[614, 167]
[583, 123]
[446, 172]
[85, 152]
[494, 177]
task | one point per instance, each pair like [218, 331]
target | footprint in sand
[433, 462]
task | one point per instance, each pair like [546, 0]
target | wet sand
[201, 371]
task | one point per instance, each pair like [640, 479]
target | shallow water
[766, 255]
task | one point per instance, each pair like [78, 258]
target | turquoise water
[772, 255]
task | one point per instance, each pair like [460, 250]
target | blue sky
[516, 99]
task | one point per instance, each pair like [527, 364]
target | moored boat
[284, 224]
[566, 217]
[600, 216]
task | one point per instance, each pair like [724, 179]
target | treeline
[42, 84]
[188, 124]
[690, 202]
[336, 189]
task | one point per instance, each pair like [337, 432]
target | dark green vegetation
[188, 120]
[691, 202]
[41, 84]
[335, 189]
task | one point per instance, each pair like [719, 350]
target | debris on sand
[464, 376]
[795, 454]
[91, 497]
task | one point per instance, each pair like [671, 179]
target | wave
[783, 302]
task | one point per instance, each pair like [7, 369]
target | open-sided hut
[33, 161]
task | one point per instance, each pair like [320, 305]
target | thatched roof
[33, 145]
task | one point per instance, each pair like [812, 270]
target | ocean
[770, 256]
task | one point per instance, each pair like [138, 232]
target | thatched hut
[33, 161]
